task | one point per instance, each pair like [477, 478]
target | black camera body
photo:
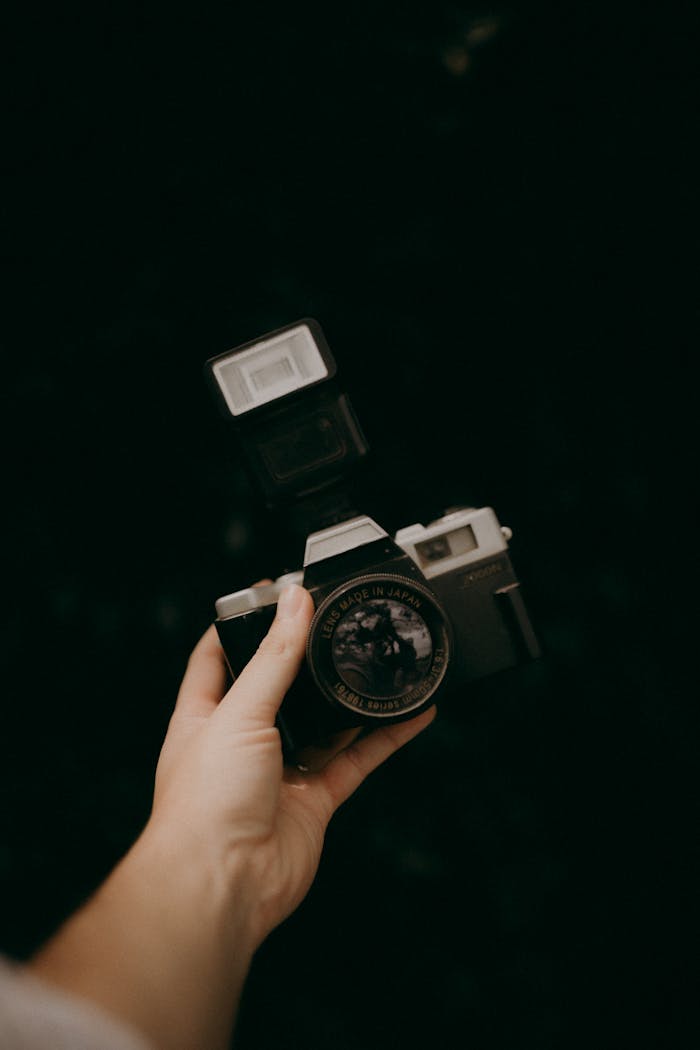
[395, 618]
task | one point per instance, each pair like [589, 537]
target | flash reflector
[269, 369]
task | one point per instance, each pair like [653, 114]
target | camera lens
[379, 645]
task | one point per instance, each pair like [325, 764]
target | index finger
[344, 773]
[204, 681]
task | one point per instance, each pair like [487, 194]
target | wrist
[212, 891]
[165, 944]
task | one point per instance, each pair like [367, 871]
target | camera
[396, 618]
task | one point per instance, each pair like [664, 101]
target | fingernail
[290, 601]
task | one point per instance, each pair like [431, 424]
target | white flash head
[270, 368]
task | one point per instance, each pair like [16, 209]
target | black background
[489, 211]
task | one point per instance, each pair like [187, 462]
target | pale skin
[231, 848]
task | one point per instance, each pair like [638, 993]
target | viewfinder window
[449, 545]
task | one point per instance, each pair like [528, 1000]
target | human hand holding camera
[231, 848]
[221, 772]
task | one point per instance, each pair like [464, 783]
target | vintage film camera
[396, 618]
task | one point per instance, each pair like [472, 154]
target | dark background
[489, 211]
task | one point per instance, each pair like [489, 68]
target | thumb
[258, 691]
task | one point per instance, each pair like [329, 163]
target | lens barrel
[379, 645]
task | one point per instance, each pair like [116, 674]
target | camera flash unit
[296, 427]
[269, 368]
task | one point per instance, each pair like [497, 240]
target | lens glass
[379, 645]
[382, 648]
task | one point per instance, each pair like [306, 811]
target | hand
[221, 783]
[231, 848]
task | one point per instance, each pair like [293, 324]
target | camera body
[395, 618]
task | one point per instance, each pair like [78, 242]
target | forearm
[163, 945]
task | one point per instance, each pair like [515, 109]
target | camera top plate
[453, 541]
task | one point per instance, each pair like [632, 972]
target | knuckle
[254, 736]
[353, 759]
[278, 644]
[393, 738]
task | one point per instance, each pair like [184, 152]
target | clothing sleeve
[36, 1016]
